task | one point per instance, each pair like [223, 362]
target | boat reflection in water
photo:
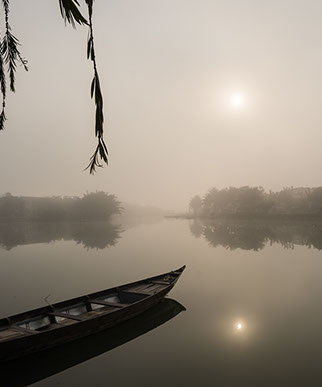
[58, 359]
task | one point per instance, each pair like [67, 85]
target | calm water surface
[252, 293]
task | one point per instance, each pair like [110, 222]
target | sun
[237, 100]
[239, 326]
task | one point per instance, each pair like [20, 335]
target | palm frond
[3, 118]
[101, 152]
[9, 56]
[3, 81]
[71, 13]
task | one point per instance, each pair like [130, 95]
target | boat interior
[83, 308]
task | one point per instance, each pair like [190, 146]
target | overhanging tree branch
[9, 56]
[70, 12]
[101, 149]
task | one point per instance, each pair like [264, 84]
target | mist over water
[251, 292]
[231, 234]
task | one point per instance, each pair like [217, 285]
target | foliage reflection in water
[255, 234]
[92, 235]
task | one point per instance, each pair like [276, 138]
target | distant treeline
[91, 206]
[246, 201]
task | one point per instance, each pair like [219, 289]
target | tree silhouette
[92, 206]
[249, 201]
[10, 57]
[195, 204]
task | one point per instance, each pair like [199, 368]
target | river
[246, 311]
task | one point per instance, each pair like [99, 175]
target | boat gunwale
[88, 298]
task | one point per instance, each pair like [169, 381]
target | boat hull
[59, 358]
[151, 291]
[28, 344]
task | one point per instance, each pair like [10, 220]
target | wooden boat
[57, 359]
[69, 320]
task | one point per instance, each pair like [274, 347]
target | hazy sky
[198, 93]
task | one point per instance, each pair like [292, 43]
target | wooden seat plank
[143, 293]
[65, 315]
[11, 333]
[160, 283]
[24, 330]
[107, 303]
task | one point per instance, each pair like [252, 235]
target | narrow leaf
[70, 12]
[89, 46]
[92, 87]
